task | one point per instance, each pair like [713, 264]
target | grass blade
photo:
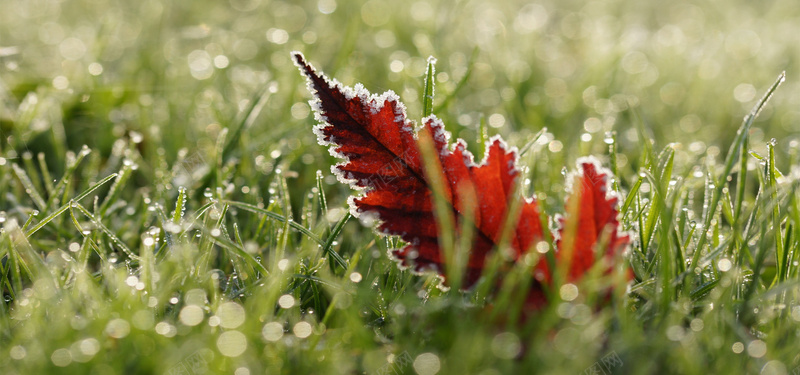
[427, 93]
[63, 208]
[28, 185]
[276, 217]
[733, 153]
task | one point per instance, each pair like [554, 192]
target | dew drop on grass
[757, 348]
[232, 343]
[136, 137]
[18, 352]
[132, 281]
[88, 347]
[568, 292]
[118, 328]
[166, 329]
[191, 315]
[272, 331]
[676, 333]
[286, 301]
[427, 364]
[302, 329]
[231, 315]
[724, 265]
[61, 357]
[283, 264]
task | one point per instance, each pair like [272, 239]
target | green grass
[165, 205]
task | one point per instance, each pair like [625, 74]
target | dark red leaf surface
[381, 151]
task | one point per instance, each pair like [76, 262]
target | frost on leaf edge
[377, 103]
[374, 101]
[610, 193]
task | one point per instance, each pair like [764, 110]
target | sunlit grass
[166, 208]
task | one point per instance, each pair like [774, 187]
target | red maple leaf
[596, 222]
[382, 156]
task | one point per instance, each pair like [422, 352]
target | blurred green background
[171, 70]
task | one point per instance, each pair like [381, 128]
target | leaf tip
[301, 63]
[298, 58]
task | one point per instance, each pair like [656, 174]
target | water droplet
[85, 150]
[286, 301]
[272, 331]
[302, 330]
[136, 137]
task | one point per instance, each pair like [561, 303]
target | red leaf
[381, 152]
[382, 156]
[597, 219]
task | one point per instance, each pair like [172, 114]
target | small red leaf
[382, 155]
[597, 220]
